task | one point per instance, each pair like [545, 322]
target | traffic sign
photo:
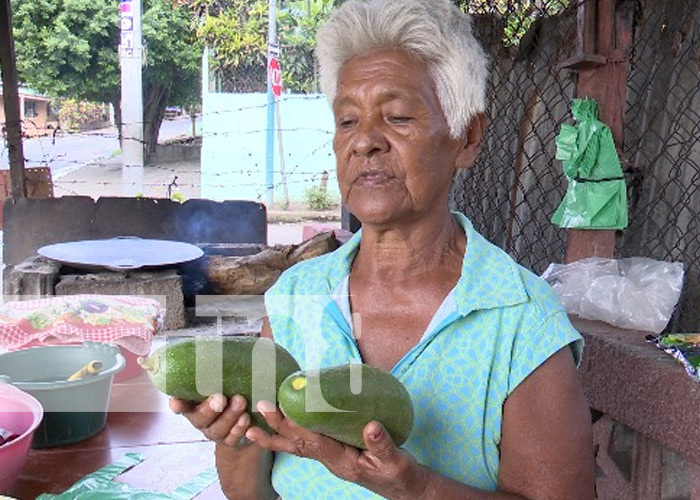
[274, 74]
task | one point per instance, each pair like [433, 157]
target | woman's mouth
[374, 178]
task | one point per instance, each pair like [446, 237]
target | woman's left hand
[383, 467]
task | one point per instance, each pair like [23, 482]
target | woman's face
[395, 156]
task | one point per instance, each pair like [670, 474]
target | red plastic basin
[21, 414]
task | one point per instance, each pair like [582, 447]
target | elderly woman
[482, 345]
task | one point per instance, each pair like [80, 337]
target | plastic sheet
[100, 485]
[684, 347]
[635, 293]
[127, 321]
[596, 196]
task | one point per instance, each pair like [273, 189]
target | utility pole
[131, 58]
[10, 95]
[272, 54]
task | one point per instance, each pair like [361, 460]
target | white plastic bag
[635, 293]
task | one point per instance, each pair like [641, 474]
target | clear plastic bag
[636, 293]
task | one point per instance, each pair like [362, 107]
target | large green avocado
[194, 368]
[347, 404]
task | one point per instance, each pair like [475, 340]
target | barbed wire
[517, 182]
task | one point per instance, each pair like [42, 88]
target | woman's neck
[420, 247]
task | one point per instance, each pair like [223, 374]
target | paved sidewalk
[105, 179]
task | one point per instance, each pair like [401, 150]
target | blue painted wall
[234, 130]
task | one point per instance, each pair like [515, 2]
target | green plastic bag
[596, 196]
[100, 485]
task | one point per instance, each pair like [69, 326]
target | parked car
[172, 112]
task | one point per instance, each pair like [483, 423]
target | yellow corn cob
[91, 368]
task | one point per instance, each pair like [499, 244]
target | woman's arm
[546, 435]
[546, 441]
[245, 474]
[233, 464]
[244, 468]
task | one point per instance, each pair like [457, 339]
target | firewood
[255, 274]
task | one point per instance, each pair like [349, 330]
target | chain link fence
[243, 79]
[662, 145]
[517, 183]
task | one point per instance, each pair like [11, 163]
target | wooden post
[10, 96]
[607, 85]
[586, 40]
[586, 24]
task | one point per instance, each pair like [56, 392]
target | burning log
[254, 274]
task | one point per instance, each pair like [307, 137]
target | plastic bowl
[20, 413]
[131, 368]
[74, 410]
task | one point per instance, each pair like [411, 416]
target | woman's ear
[471, 141]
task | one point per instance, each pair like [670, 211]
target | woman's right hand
[223, 421]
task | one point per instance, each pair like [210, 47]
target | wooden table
[138, 421]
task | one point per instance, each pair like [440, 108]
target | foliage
[74, 115]
[297, 35]
[518, 15]
[68, 48]
[173, 64]
[237, 31]
[317, 198]
[174, 54]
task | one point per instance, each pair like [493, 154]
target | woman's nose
[368, 140]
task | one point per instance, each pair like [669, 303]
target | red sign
[274, 74]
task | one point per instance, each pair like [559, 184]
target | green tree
[298, 23]
[518, 15]
[68, 48]
[236, 31]
[173, 63]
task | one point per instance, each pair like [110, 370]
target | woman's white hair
[435, 32]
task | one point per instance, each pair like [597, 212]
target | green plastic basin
[73, 411]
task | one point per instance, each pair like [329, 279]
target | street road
[68, 152]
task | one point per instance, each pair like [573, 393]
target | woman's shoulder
[492, 262]
[538, 290]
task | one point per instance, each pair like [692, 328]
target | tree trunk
[156, 99]
[13, 124]
[118, 119]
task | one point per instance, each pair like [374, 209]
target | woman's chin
[373, 208]
[375, 217]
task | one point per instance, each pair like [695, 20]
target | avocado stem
[150, 364]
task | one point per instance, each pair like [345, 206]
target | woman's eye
[345, 122]
[399, 119]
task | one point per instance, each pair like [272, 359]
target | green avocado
[195, 368]
[339, 402]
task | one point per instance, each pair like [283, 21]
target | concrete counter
[647, 411]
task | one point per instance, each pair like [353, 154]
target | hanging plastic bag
[100, 485]
[596, 196]
[636, 293]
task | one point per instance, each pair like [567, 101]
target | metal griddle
[122, 253]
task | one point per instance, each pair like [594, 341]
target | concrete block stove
[223, 228]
